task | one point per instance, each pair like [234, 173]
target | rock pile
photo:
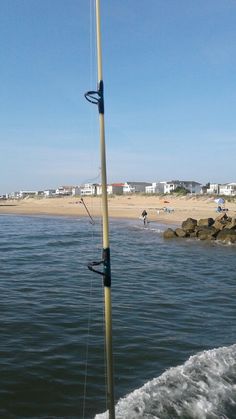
[223, 228]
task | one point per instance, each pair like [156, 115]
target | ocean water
[174, 322]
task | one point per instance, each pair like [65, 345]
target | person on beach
[144, 215]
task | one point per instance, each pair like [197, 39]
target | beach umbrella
[220, 200]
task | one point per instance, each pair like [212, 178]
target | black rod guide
[97, 97]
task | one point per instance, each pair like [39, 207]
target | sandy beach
[178, 208]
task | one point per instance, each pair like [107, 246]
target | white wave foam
[203, 387]
[148, 229]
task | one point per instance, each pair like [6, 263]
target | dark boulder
[223, 228]
[205, 222]
[207, 233]
[227, 235]
[180, 232]
[189, 225]
[169, 234]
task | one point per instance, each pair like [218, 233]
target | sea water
[174, 328]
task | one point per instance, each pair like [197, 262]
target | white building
[64, 190]
[135, 187]
[155, 187]
[214, 189]
[112, 189]
[128, 188]
[75, 191]
[89, 189]
[49, 192]
[14, 195]
[191, 186]
[228, 189]
[24, 194]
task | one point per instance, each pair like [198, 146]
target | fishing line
[87, 346]
[91, 180]
[92, 78]
[91, 37]
[104, 353]
[92, 81]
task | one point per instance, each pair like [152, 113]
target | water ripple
[170, 301]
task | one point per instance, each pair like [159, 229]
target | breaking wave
[202, 388]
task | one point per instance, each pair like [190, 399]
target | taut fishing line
[91, 26]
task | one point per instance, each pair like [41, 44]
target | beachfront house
[191, 186]
[115, 189]
[28, 194]
[64, 190]
[14, 195]
[228, 189]
[89, 189]
[214, 189]
[112, 189]
[49, 192]
[128, 188]
[204, 188]
[75, 191]
[155, 187]
[135, 187]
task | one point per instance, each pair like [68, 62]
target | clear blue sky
[169, 72]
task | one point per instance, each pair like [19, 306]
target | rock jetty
[222, 228]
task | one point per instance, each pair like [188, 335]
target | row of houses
[61, 191]
[84, 190]
[164, 187]
[228, 189]
[171, 186]
[139, 187]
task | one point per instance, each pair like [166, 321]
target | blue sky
[169, 73]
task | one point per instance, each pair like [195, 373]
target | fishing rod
[97, 98]
[86, 209]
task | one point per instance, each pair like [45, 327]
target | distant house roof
[186, 182]
[139, 183]
[65, 187]
[192, 182]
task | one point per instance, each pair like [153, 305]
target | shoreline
[177, 210]
[159, 223]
